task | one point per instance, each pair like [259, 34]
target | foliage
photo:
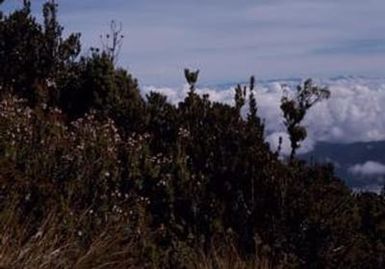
[94, 175]
[294, 111]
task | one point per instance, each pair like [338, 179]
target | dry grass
[227, 256]
[50, 248]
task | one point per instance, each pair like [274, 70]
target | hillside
[96, 174]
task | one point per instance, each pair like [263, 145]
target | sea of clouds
[355, 112]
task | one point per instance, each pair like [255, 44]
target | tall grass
[52, 247]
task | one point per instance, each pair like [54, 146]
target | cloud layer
[354, 112]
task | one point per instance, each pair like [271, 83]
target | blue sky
[230, 40]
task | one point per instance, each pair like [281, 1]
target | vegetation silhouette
[93, 175]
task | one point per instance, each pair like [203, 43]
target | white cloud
[354, 112]
[369, 168]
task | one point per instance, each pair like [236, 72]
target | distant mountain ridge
[346, 156]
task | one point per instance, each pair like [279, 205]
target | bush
[92, 174]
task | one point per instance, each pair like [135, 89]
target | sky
[231, 40]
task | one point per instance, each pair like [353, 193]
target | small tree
[239, 98]
[33, 55]
[294, 111]
[252, 117]
[191, 78]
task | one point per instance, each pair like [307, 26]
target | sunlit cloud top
[230, 40]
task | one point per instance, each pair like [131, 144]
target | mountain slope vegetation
[93, 175]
